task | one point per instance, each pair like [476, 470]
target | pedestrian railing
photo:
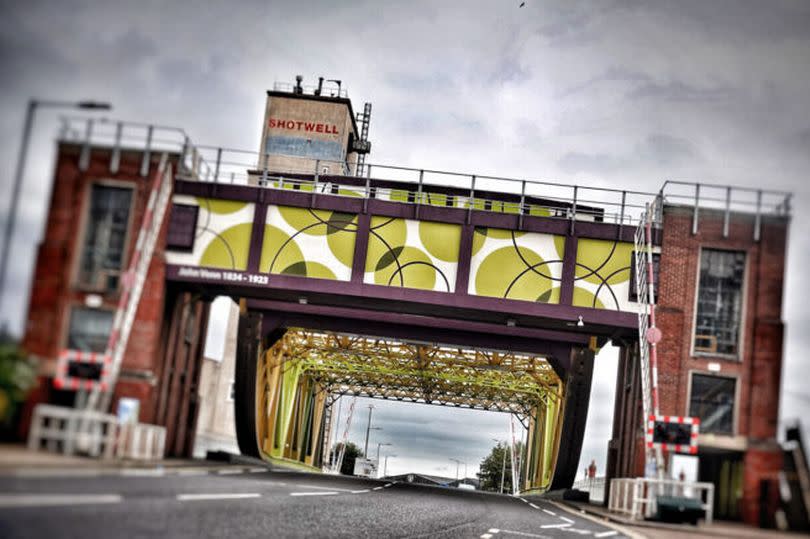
[637, 497]
[73, 431]
[594, 486]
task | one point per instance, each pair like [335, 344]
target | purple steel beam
[531, 223]
[598, 321]
[556, 346]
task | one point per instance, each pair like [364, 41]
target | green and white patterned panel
[308, 243]
[412, 254]
[516, 265]
[602, 278]
[222, 237]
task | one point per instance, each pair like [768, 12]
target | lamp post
[457, 463]
[379, 445]
[18, 175]
[369, 428]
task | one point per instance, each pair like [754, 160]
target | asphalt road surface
[244, 501]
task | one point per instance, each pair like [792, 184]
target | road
[244, 501]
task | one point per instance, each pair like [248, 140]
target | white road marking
[524, 534]
[228, 471]
[524, 500]
[42, 500]
[494, 530]
[377, 488]
[222, 496]
[388, 485]
[547, 526]
[258, 470]
[568, 520]
[532, 505]
[486, 536]
[552, 513]
[313, 493]
[141, 472]
[36, 472]
[606, 534]
[361, 491]
[189, 473]
[324, 488]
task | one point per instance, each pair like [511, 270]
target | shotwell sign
[297, 125]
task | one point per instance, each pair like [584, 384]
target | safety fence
[638, 497]
[594, 486]
[73, 431]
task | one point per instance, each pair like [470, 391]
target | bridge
[415, 285]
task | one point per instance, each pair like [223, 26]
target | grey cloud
[575, 162]
[675, 91]
[668, 151]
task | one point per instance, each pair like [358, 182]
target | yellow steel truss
[297, 373]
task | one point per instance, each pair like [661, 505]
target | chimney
[298, 88]
[320, 86]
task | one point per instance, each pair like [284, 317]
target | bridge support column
[574, 415]
[279, 408]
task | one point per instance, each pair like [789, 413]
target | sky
[608, 93]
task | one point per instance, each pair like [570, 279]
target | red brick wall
[758, 370]
[54, 288]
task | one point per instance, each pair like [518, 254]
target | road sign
[675, 433]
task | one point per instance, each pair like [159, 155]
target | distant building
[215, 424]
[433, 480]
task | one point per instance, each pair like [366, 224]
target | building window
[89, 329]
[656, 258]
[182, 227]
[719, 302]
[105, 236]
[712, 400]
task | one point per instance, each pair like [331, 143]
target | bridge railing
[409, 185]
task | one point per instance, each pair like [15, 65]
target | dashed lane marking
[217, 496]
[190, 473]
[43, 500]
[568, 520]
[363, 491]
[377, 488]
[143, 472]
[486, 536]
[316, 487]
[227, 471]
[258, 470]
[606, 534]
[532, 505]
[549, 526]
[388, 485]
[332, 493]
[552, 513]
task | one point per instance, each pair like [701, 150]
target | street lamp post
[18, 174]
[379, 445]
[457, 463]
[369, 428]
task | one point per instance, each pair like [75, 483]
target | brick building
[719, 307]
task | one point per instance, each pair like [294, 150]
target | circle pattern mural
[308, 243]
[412, 254]
[516, 265]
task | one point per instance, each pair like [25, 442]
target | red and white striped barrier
[690, 448]
[63, 379]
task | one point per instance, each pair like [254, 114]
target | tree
[17, 377]
[352, 453]
[493, 464]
